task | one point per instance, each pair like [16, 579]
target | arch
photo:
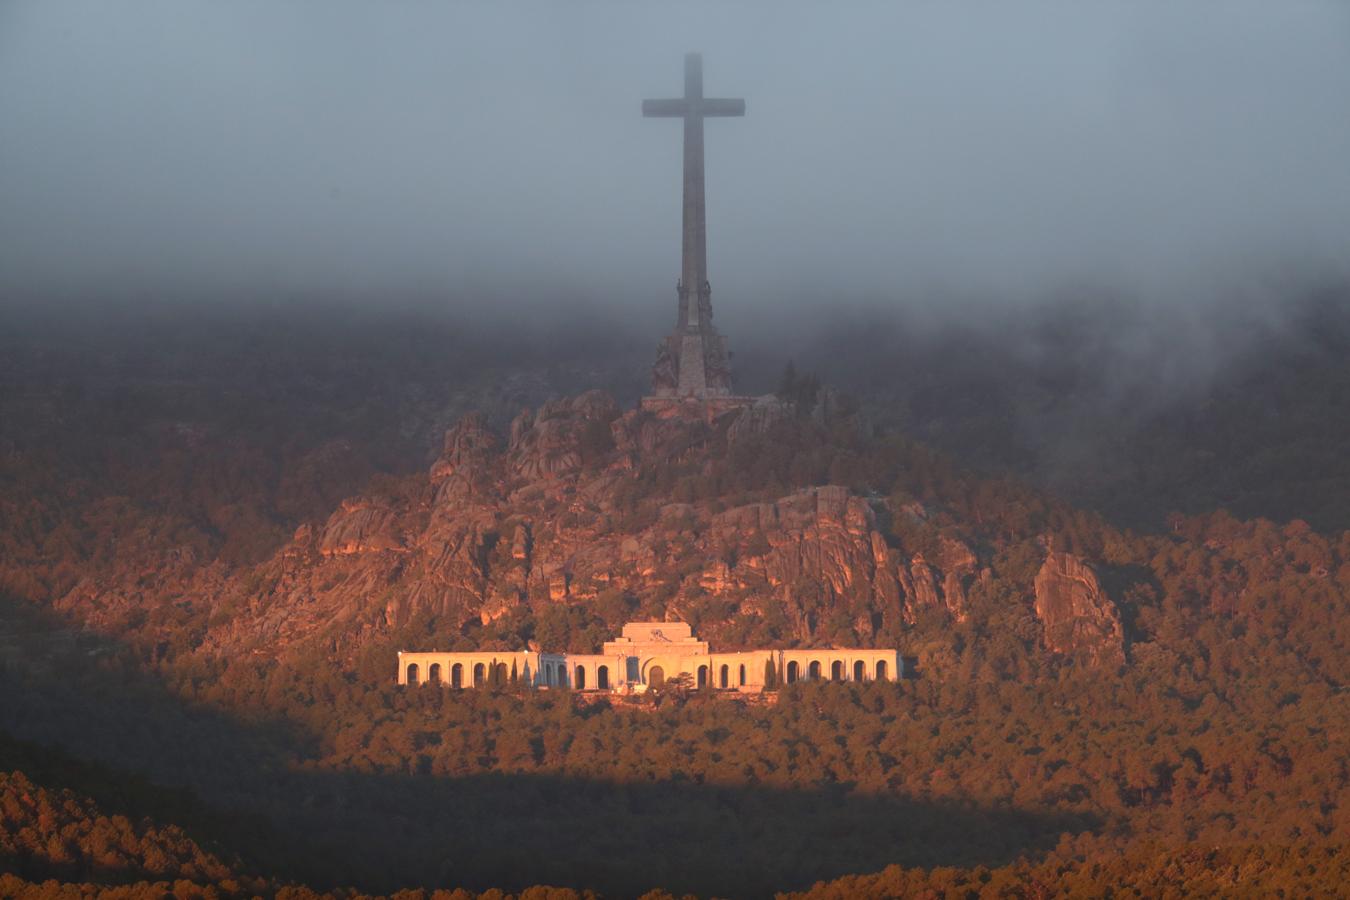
[479, 674]
[656, 676]
[412, 673]
[836, 671]
[724, 678]
[742, 677]
[457, 675]
[602, 678]
[702, 676]
[434, 673]
[499, 673]
[881, 670]
[813, 671]
[793, 672]
[581, 678]
[859, 671]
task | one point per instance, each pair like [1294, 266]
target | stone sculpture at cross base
[692, 364]
[665, 379]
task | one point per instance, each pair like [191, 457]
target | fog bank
[494, 157]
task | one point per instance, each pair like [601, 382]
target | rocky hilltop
[180, 493]
[785, 523]
[768, 524]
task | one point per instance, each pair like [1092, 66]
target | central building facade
[645, 656]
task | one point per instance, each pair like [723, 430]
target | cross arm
[664, 108]
[718, 106]
[678, 107]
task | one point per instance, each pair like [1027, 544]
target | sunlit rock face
[468, 443]
[359, 527]
[557, 439]
[1078, 618]
[959, 563]
[501, 527]
[919, 584]
[546, 515]
[464, 469]
[580, 503]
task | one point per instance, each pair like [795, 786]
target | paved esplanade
[692, 362]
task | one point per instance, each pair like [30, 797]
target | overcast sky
[448, 151]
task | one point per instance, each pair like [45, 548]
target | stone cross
[695, 352]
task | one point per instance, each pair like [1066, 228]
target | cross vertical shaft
[695, 354]
[694, 259]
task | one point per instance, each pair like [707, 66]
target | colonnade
[750, 671]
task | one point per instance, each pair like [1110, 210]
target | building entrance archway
[859, 671]
[656, 676]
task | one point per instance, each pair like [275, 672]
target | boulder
[1077, 616]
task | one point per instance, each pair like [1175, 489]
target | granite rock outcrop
[1077, 616]
[548, 516]
[580, 506]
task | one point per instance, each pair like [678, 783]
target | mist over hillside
[1135, 409]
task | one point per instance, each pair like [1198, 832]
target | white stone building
[646, 655]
